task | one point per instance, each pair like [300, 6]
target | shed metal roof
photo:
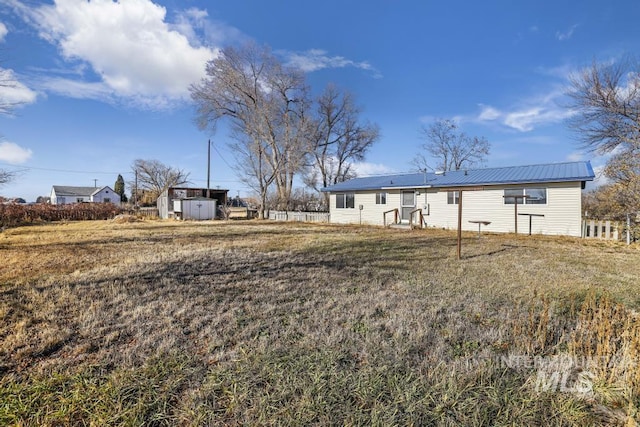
[530, 174]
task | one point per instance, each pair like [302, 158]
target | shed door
[408, 201]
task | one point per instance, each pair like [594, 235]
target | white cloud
[13, 153]
[529, 114]
[575, 156]
[3, 31]
[134, 52]
[566, 35]
[600, 178]
[488, 113]
[366, 169]
[12, 91]
[77, 88]
[318, 59]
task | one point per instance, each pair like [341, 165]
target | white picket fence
[299, 216]
[595, 229]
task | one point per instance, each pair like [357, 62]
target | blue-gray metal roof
[66, 190]
[552, 172]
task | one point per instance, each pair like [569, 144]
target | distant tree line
[279, 130]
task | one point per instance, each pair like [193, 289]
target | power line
[222, 157]
[22, 168]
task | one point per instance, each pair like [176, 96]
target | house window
[106, 200]
[345, 201]
[535, 196]
[453, 197]
[510, 196]
[381, 198]
[79, 200]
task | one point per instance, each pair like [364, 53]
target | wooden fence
[598, 229]
[299, 216]
[147, 213]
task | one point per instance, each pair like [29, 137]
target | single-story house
[191, 203]
[547, 198]
[62, 195]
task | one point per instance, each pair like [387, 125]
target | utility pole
[208, 168]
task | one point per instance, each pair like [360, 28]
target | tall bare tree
[265, 103]
[154, 177]
[340, 138]
[452, 148]
[606, 99]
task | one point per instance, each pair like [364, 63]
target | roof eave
[467, 184]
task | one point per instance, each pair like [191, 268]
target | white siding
[372, 213]
[106, 193]
[562, 212]
[53, 198]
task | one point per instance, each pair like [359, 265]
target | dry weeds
[168, 323]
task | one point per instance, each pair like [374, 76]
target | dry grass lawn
[213, 323]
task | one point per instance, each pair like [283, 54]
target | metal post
[459, 223]
[208, 168]
[516, 210]
[135, 199]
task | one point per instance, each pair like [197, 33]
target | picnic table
[480, 224]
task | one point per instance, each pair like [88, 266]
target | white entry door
[408, 204]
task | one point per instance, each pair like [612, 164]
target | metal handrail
[395, 217]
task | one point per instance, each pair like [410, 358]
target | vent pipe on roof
[425, 175]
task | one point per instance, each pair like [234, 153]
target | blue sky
[102, 83]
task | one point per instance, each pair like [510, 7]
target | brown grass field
[258, 323]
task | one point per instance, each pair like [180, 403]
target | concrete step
[400, 226]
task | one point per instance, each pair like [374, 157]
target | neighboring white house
[548, 197]
[62, 195]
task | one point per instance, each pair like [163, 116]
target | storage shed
[197, 208]
[166, 201]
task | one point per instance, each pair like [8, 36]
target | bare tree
[621, 195]
[606, 99]
[154, 177]
[6, 108]
[452, 148]
[265, 103]
[340, 138]
[6, 176]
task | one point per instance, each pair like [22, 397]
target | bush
[12, 215]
